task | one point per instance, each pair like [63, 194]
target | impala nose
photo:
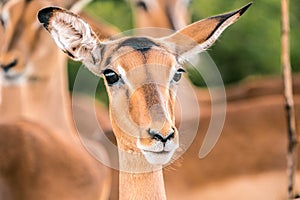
[7, 67]
[156, 135]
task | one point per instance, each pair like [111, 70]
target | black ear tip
[243, 9]
[45, 14]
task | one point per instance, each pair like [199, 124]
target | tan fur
[147, 184]
[143, 147]
[42, 88]
[248, 165]
[40, 163]
[41, 97]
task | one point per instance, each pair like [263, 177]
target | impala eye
[177, 75]
[111, 76]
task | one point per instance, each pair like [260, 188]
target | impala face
[141, 75]
[7, 59]
[24, 49]
[18, 30]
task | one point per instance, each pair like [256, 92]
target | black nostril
[157, 136]
[7, 67]
[171, 135]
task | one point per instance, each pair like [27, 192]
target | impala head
[19, 31]
[141, 75]
[8, 21]
[21, 47]
[172, 14]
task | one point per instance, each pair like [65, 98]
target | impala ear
[200, 35]
[71, 34]
[103, 29]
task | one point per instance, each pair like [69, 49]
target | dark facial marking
[107, 61]
[151, 95]
[141, 44]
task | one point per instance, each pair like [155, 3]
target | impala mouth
[158, 158]
[158, 153]
[12, 78]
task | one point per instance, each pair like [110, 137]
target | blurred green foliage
[116, 12]
[251, 47]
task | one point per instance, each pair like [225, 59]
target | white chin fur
[158, 153]
[158, 158]
[11, 79]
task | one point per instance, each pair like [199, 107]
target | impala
[41, 155]
[141, 76]
[267, 176]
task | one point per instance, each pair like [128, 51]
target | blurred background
[251, 48]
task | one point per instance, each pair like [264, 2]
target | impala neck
[138, 179]
[44, 96]
[142, 186]
[10, 105]
[51, 99]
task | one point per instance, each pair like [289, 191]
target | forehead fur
[136, 51]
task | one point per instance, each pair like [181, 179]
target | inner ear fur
[72, 34]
